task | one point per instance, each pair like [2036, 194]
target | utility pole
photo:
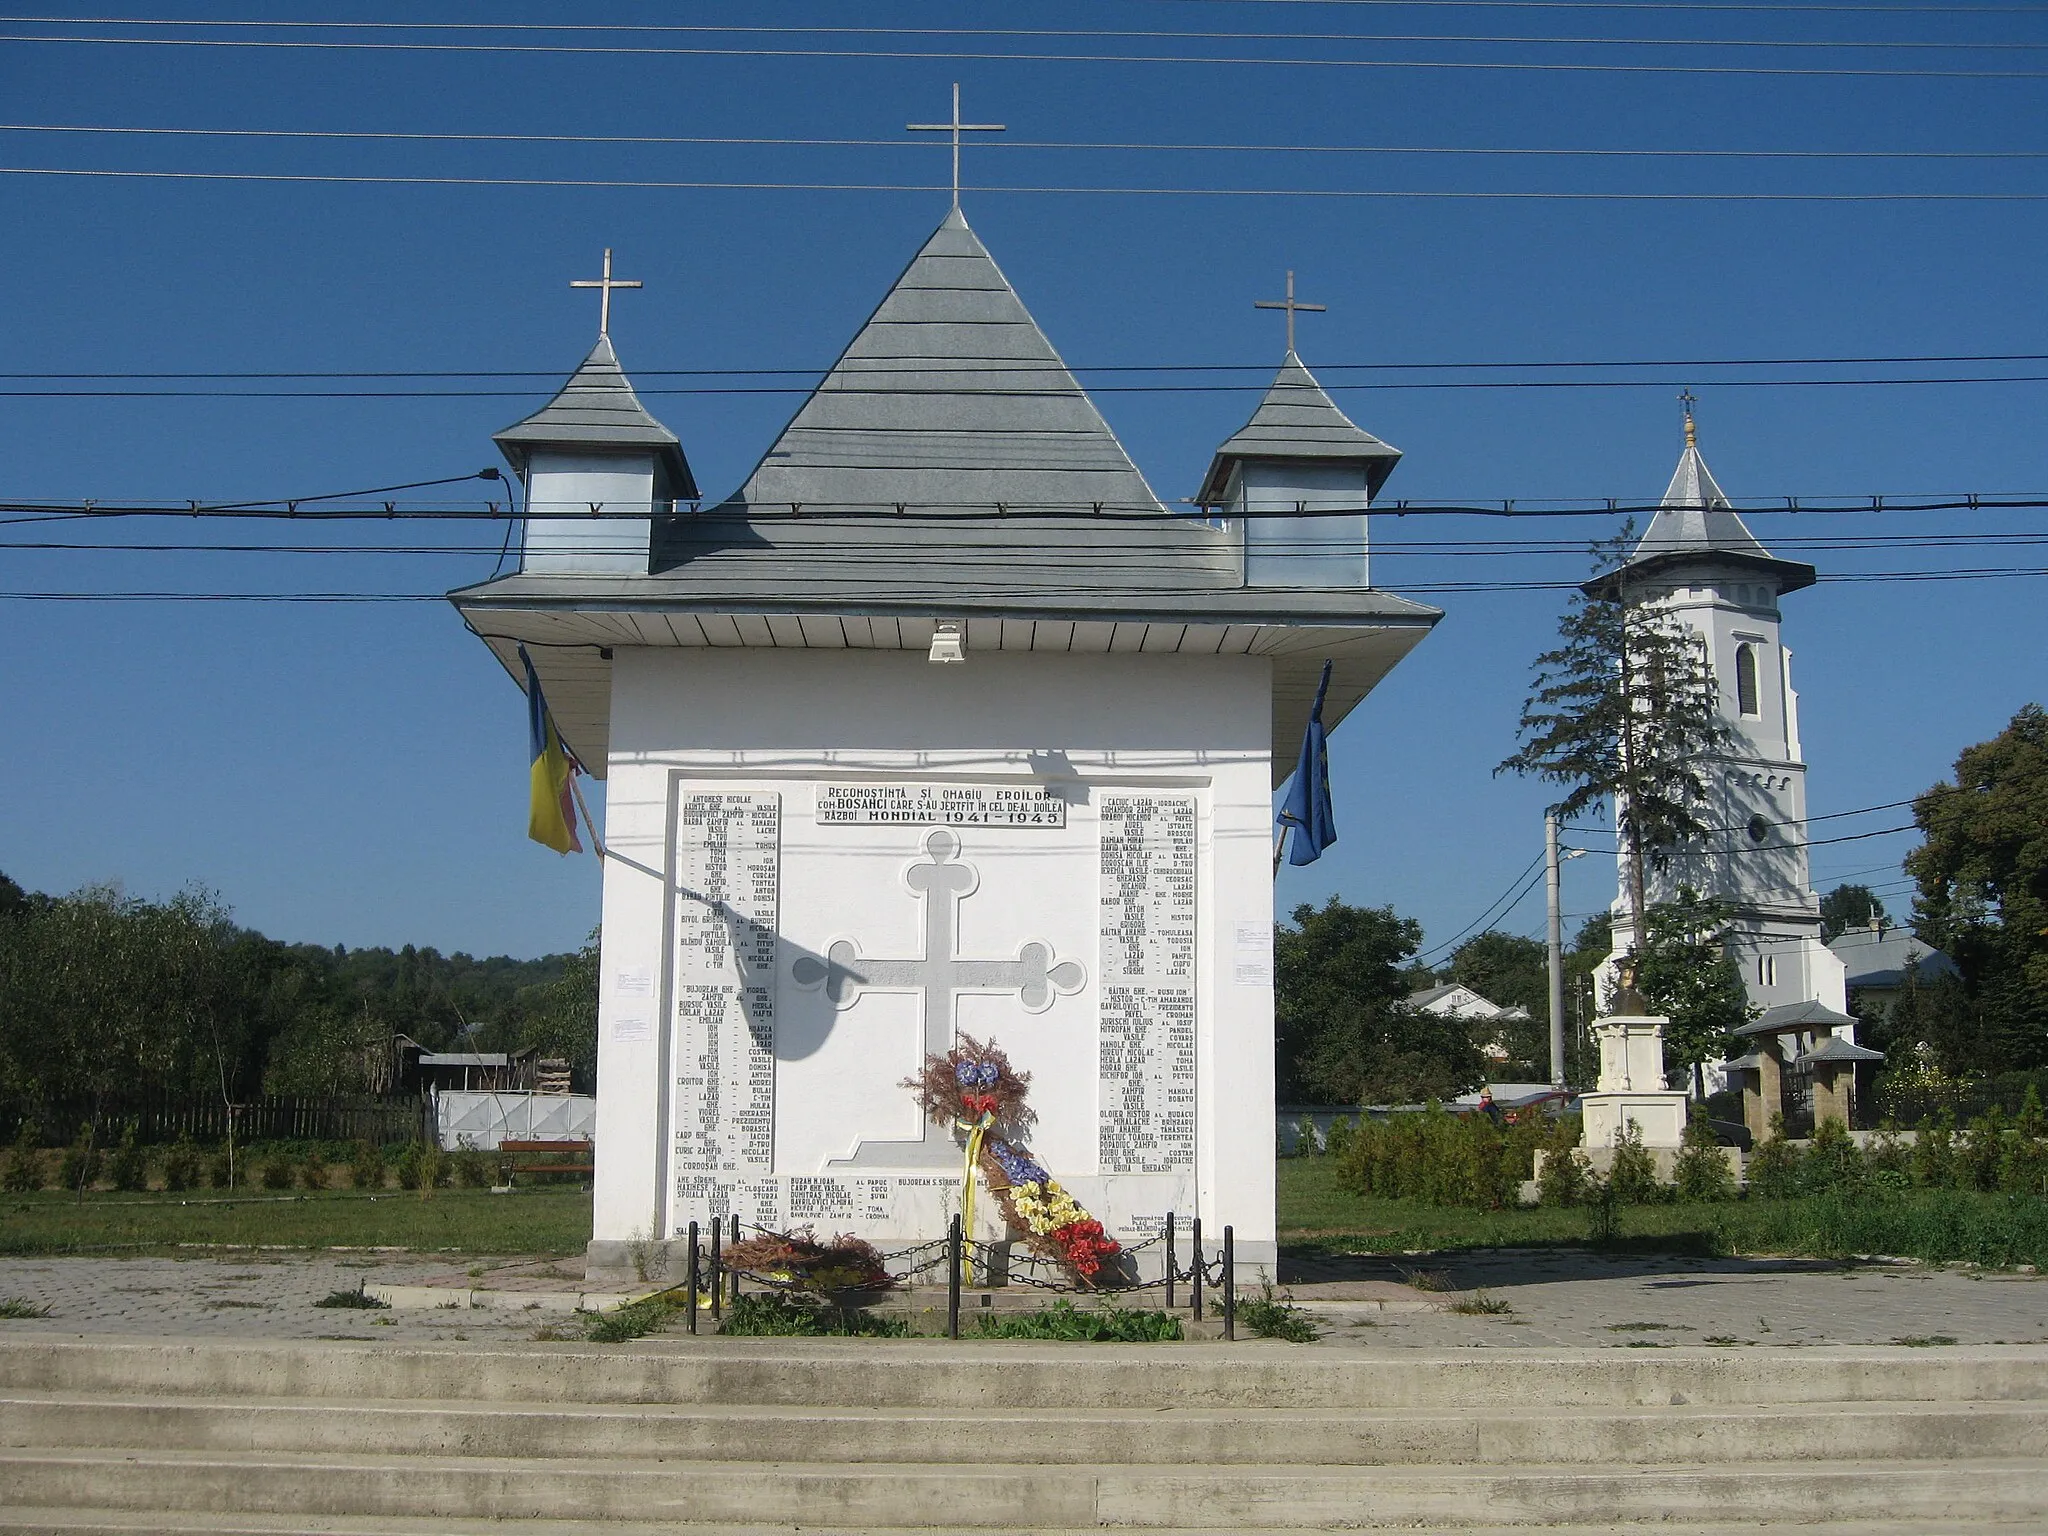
[1551, 887]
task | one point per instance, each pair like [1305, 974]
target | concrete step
[978, 1377]
[1013, 1497]
[118, 1522]
[1205, 1437]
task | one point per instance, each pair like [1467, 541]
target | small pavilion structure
[1803, 1064]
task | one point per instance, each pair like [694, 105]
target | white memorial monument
[1631, 1089]
[941, 723]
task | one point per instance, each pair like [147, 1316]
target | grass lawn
[1317, 1216]
[536, 1221]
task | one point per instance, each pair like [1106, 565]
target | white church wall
[779, 727]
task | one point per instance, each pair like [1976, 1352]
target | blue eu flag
[1307, 807]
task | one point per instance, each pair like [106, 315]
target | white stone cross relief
[940, 974]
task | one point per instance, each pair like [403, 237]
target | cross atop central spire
[1291, 306]
[604, 285]
[956, 128]
[1688, 399]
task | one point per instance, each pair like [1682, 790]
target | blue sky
[355, 773]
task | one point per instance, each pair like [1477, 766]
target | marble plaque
[1147, 1043]
[727, 874]
[946, 805]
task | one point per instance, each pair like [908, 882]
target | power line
[1009, 145]
[1495, 910]
[1138, 33]
[855, 368]
[1521, 66]
[1380, 194]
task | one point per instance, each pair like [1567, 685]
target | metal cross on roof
[956, 128]
[1291, 306]
[604, 285]
[1688, 399]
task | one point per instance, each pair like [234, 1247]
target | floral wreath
[973, 1089]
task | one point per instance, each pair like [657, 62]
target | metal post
[1552, 889]
[953, 1277]
[692, 1282]
[735, 1243]
[1195, 1267]
[1170, 1261]
[1229, 1284]
[717, 1268]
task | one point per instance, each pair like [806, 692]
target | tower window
[1745, 680]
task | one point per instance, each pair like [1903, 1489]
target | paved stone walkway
[1552, 1298]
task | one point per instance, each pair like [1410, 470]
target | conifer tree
[1624, 710]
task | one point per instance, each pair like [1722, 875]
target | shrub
[275, 1171]
[24, 1169]
[2024, 1168]
[80, 1168]
[1934, 1151]
[1701, 1171]
[1775, 1165]
[220, 1170]
[1833, 1165]
[313, 1170]
[366, 1166]
[1440, 1158]
[1064, 1320]
[126, 1167]
[1633, 1175]
[358, 1299]
[180, 1164]
[1888, 1159]
[1271, 1319]
[407, 1164]
[2031, 1123]
[1338, 1137]
[1980, 1152]
[474, 1169]
[1566, 1179]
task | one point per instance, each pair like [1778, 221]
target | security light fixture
[949, 644]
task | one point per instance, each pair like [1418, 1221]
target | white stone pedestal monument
[1631, 1086]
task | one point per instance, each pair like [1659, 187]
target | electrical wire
[1340, 193]
[1495, 910]
[1018, 56]
[1010, 145]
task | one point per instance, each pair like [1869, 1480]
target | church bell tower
[1700, 564]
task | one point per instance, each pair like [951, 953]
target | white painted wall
[788, 720]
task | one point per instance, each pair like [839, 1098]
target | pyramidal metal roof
[1695, 522]
[949, 396]
[597, 409]
[1297, 420]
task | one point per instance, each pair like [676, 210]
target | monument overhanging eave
[573, 627]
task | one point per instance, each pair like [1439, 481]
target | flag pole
[596, 840]
[1279, 846]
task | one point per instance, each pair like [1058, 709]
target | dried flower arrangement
[973, 1088]
[799, 1260]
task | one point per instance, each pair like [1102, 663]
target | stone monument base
[1658, 1113]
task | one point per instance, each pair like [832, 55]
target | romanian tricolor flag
[552, 819]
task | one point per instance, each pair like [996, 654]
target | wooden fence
[161, 1118]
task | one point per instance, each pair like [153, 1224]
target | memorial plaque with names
[727, 874]
[944, 805]
[1147, 1042]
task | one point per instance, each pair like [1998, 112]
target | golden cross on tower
[1688, 399]
[955, 128]
[1291, 306]
[604, 285]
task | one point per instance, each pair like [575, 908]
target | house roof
[1297, 420]
[597, 411]
[1881, 959]
[1791, 1018]
[1696, 524]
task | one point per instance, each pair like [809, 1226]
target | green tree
[1982, 873]
[1343, 1030]
[1512, 971]
[1685, 973]
[1846, 907]
[1623, 713]
[559, 1017]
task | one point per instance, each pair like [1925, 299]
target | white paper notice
[638, 982]
[633, 1024]
[1252, 955]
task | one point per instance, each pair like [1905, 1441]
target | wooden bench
[586, 1163]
